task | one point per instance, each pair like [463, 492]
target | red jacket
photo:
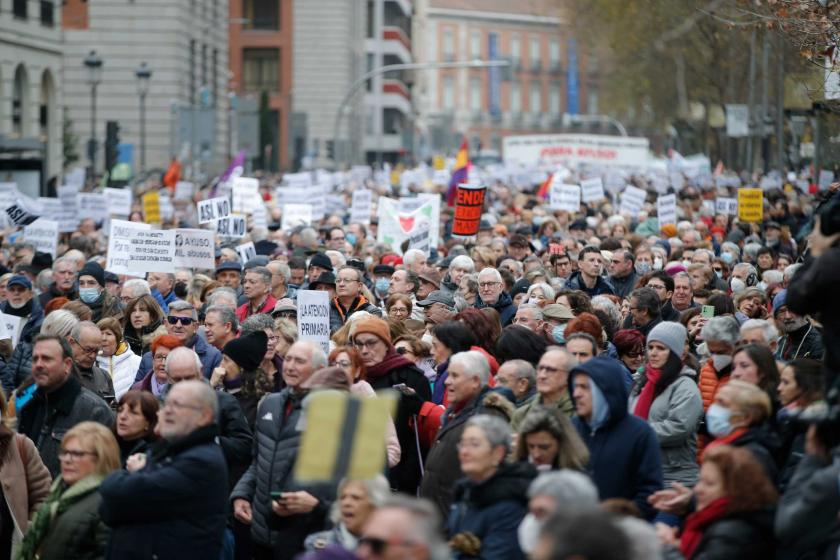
[244, 310]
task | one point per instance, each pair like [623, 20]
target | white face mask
[528, 533]
[720, 361]
[657, 263]
[532, 301]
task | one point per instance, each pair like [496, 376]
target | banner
[565, 197]
[632, 200]
[727, 206]
[152, 250]
[556, 149]
[43, 234]
[666, 209]
[313, 317]
[750, 205]
[195, 248]
[361, 207]
[469, 202]
[295, 215]
[119, 239]
[592, 190]
[151, 207]
[246, 194]
[231, 226]
[118, 201]
[395, 226]
[408, 204]
[213, 209]
[93, 206]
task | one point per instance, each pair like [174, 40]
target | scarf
[726, 440]
[21, 311]
[697, 522]
[391, 361]
[648, 392]
[60, 499]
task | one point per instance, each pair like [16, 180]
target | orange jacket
[710, 383]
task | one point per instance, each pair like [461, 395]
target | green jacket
[564, 404]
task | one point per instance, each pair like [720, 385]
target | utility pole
[765, 109]
[780, 104]
[751, 103]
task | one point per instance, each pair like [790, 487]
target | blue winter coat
[210, 358]
[504, 305]
[492, 511]
[175, 507]
[624, 456]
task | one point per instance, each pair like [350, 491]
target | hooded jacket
[602, 285]
[624, 457]
[504, 305]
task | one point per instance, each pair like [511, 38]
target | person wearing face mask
[382, 282]
[92, 293]
[555, 318]
[721, 335]
[20, 303]
[801, 338]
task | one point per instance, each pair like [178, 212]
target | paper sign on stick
[666, 209]
[313, 317]
[565, 197]
[119, 201]
[195, 248]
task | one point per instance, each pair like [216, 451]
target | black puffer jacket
[764, 445]
[745, 536]
[18, 368]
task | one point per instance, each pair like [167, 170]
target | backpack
[427, 423]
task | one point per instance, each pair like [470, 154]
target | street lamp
[143, 75]
[94, 67]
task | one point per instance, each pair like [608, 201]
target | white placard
[336, 205]
[260, 216]
[12, 325]
[246, 194]
[119, 201]
[43, 234]
[184, 190]
[291, 195]
[68, 221]
[592, 190]
[195, 248]
[632, 200]
[564, 197]
[246, 251]
[737, 121]
[826, 178]
[231, 226]
[362, 206]
[213, 209]
[167, 211]
[75, 177]
[666, 209]
[298, 180]
[93, 206]
[22, 212]
[726, 206]
[295, 215]
[119, 238]
[152, 250]
[313, 317]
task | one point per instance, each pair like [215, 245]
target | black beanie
[247, 351]
[93, 269]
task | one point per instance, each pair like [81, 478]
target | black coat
[745, 536]
[175, 507]
[765, 446]
[235, 437]
[18, 368]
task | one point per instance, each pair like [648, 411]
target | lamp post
[143, 75]
[93, 63]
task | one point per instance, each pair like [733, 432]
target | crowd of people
[588, 386]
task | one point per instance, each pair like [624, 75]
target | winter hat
[93, 269]
[321, 261]
[779, 301]
[247, 351]
[374, 326]
[328, 378]
[671, 335]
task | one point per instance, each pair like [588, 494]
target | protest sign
[92, 205]
[726, 206]
[43, 234]
[167, 211]
[469, 202]
[246, 194]
[666, 209]
[213, 209]
[184, 190]
[564, 197]
[335, 205]
[632, 200]
[246, 251]
[151, 207]
[119, 238]
[75, 177]
[361, 207]
[12, 325]
[22, 212]
[408, 204]
[554, 149]
[119, 201]
[68, 220]
[231, 226]
[152, 250]
[750, 205]
[592, 190]
[260, 216]
[420, 237]
[313, 317]
[825, 179]
[195, 248]
[298, 180]
[296, 215]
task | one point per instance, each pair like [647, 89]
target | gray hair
[647, 299]
[730, 247]
[76, 331]
[722, 329]
[772, 277]
[411, 256]
[460, 303]
[644, 543]
[463, 261]
[65, 259]
[768, 330]
[474, 363]
[790, 270]
[606, 305]
[745, 266]
[496, 430]
[425, 523]
[330, 253]
[490, 272]
[319, 358]
[137, 287]
[181, 305]
[524, 370]
[282, 269]
[264, 273]
[377, 489]
[547, 290]
[221, 293]
[569, 489]
[203, 392]
[538, 312]
[258, 322]
[44, 279]
[751, 250]
[308, 236]
[182, 352]
[226, 315]
[59, 323]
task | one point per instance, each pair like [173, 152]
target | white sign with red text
[557, 149]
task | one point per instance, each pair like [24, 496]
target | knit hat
[93, 269]
[374, 326]
[671, 335]
[321, 261]
[247, 351]
[779, 301]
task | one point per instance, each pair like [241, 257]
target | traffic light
[112, 142]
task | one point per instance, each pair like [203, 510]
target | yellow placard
[151, 207]
[750, 205]
[439, 162]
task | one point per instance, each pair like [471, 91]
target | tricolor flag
[459, 173]
[545, 188]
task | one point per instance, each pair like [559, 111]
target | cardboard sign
[213, 209]
[195, 248]
[728, 206]
[152, 250]
[260, 216]
[592, 190]
[361, 207]
[68, 220]
[232, 226]
[151, 207]
[565, 197]
[246, 251]
[632, 200]
[750, 205]
[246, 194]
[295, 215]
[93, 206]
[313, 317]
[184, 190]
[119, 201]
[469, 202]
[119, 239]
[43, 234]
[666, 209]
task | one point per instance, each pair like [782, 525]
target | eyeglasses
[84, 349]
[399, 311]
[342, 364]
[160, 357]
[370, 344]
[345, 280]
[488, 284]
[656, 286]
[173, 320]
[72, 455]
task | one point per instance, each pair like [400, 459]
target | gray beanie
[671, 335]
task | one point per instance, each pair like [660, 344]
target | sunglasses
[186, 321]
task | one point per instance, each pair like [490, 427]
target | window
[19, 9]
[204, 65]
[392, 121]
[475, 44]
[554, 53]
[371, 19]
[261, 69]
[370, 63]
[47, 13]
[515, 97]
[448, 44]
[554, 99]
[261, 14]
[535, 101]
[534, 52]
[515, 50]
[592, 102]
[448, 93]
[475, 94]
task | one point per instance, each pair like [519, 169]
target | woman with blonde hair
[548, 440]
[116, 356]
[68, 524]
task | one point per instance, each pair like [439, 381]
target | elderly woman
[116, 356]
[155, 381]
[548, 440]
[491, 500]
[143, 322]
[136, 420]
[68, 524]
[398, 307]
[541, 294]
[357, 500]
[750, 304]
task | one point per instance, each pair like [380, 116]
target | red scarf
[726, 440]
[647, 395]
[697, 522]
[391, 361]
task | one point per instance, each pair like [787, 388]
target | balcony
[396, 42]
[555, 68]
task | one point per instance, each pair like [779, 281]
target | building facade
[31, 147]
[185, 45]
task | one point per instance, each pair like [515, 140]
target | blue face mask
[727, 258]
[558, 333]
[351, 238]
[643, 267]
[718, 420]
[88, 295]
[382, 285]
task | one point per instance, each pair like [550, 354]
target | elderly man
[182, 323]
[645, 309]
[429, 281]
[64, 281]
[220, 325]
[588, 277]
[20, 303]
[530, 316]
[223, 296]
[279, 525]
[555, 318]
[801, 339]
[229, 274]
[281, 276]
[318, 264]
[721, 335]
[59, 401]
[86, 340]
[414, 260]
[521, 378]
[622, 270]
[491, 294]
[552, 378]
[172, 502]
[133, 289]
[466, 387]
[438, 308]
[683, 297]
[162, 285]
[348, 298]
[761, 332]
[407, 528]
[257, 288]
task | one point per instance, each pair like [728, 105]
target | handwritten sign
[565, 197]
[592, 190]
[246, 251]
[295, 215]
[213, 209]
[666, 209]
[313, 319]
[93, 206]
[750, 205]
[119, 239]
[195, 248]
[361, 207]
